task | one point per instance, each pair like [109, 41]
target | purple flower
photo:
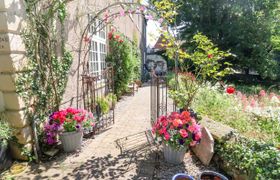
[181, 141]
[78, 126]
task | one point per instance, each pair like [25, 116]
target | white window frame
[97, 54]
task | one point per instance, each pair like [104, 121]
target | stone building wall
[12, 59]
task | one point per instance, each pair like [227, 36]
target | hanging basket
[172, 155]
[71, 141]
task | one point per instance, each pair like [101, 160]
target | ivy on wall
[43, 80]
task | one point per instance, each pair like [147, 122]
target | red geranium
[120, 41]
[117, 37]
[177, 129]
[230, 90]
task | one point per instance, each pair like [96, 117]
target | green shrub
[256, 159]
[112, 98]
[125, 59]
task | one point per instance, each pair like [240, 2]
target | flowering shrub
[177, 130]
[67, 120]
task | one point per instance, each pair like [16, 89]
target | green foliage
[5, 132]
[207, 60]
[187, 88]
[26, 152]
[112, 98]
[250, 29]
[125, 61]
[104, 105]
[256, 159]
[43, 81]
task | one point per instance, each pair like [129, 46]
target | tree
[248, 28]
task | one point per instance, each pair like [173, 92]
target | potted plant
[69, 125]
[211, 175]
[103, 106]
[177, 132]
[5, 136]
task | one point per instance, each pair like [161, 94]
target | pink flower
[253, 103]
[166, 136]
[122, 12]
[194, 128]
[149, 17]
[197, 136]
[262, 93]
[160, 20]
[162, 131]
[142, 8]
[184, 133]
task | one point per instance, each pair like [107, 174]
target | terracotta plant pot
[71, 141]
[172, 155]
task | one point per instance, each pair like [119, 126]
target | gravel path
[101, 158]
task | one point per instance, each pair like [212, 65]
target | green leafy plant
[112, 99]
[186, 90]
[103, 105]
[5, 132]
[256, 159]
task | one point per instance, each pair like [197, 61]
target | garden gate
[95, 88]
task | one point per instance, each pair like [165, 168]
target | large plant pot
[71, 141]
[211, 175]
[5, 158]
[174, 156]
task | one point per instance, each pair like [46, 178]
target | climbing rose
[230, 90]
[117, 37]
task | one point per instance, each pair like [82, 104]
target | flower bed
[253, 116]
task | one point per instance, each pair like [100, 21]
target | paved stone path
[100, 158]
